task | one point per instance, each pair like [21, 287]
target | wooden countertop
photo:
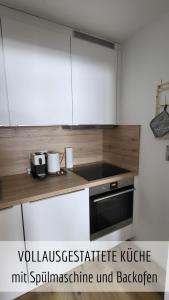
[22, 188]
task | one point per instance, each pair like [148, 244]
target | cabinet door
[61, 218]
[11, 228]
[94, 83]
[38, 72]
[4, 111]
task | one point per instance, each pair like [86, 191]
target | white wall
[145, 61]
[167, 282]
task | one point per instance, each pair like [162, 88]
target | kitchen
[87, 92]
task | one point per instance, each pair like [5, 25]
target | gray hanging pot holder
[160, 124]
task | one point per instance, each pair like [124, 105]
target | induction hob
[98, 170]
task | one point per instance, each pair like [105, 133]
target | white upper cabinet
[38, 73]
[94, 68]
[4, 111]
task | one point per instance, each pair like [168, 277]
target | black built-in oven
[111, 207]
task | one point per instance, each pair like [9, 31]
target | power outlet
[167, 152]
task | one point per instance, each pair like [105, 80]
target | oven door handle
[112, 196]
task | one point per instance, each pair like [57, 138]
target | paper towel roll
[53, 162]
[69, 157]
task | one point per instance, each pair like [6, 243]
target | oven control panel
[100, 189]
[126, 182]
[114, 185]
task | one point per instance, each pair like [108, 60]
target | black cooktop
[99, 170]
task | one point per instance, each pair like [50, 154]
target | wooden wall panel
[17, 143]
[121, 146]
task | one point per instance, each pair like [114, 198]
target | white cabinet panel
[11, 228]
[38, 72]
[61, 218]
[4, 112]
[94, 83]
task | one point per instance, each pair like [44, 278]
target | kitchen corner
[105, 163]
[84, 149]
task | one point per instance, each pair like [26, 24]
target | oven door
[111, 211]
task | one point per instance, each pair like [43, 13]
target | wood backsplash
[119, 145]
[17, 143]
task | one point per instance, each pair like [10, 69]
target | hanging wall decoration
[160, 124]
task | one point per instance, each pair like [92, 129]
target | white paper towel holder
[69, 157]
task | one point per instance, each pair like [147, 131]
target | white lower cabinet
[61, 218]
[11, 229]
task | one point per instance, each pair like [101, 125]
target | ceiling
[115, 20]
